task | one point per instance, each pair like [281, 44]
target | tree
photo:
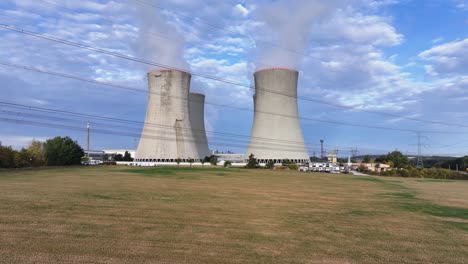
[22, 158]
[213, 160]
[381, 159]
[178, 160]
[127, 156]
[203, 162]
[398, 159]
[118, 157]
[36, 153]
[61, 151]
[7, 157]
[362, 168]
[270, 164]
[366, 159]
[252, 162]
[314, 159]
[191, 161]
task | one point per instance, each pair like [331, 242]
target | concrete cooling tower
[197, 121]
[167, 133]
[277, 136]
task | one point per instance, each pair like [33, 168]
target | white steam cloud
[159, 41]
[287, 25]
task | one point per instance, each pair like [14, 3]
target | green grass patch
[434, 180]
[420, 206]
[403, 195]
[406, 200]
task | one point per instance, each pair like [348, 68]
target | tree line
[58, 151]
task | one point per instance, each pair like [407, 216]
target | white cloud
[347, 26]
[241, 10]
[450, 58]
[18, 142]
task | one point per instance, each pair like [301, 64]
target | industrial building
[276, 133]
[167, 133]
[112, 152]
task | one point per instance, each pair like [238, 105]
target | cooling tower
[167, 133]
[197, 121]
[276, 132]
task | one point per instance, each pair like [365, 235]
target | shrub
[388, 173]
[227, 164]
[270, 164]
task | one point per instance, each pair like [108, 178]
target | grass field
[170, 215]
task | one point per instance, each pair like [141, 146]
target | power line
[214, 78]
[160, 132]
[92, 117]
[157, 34]
[126, 134]
[68, 76]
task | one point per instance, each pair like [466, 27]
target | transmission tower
[419, 163]
[354, 152]
[336, 151]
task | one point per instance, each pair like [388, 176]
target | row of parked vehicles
[334, 168]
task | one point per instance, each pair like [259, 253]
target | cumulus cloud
[449, 58]
[348, 26]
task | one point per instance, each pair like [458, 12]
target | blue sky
[403, 57]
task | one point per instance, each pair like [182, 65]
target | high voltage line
[434, 122]
[131, 58]
[161, 133]
[120, 133]
[88, 117]
[157, 34]
[126, 134]
[68, 76]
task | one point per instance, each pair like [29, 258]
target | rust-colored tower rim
[168, 70]
[276, 68]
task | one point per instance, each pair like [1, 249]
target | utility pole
[419, 163]
[321, 149]
[87, 139]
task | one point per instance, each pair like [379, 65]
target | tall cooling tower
[276, 132]
[167, 133]
[197, 120]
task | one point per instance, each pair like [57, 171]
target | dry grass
[131, 215]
